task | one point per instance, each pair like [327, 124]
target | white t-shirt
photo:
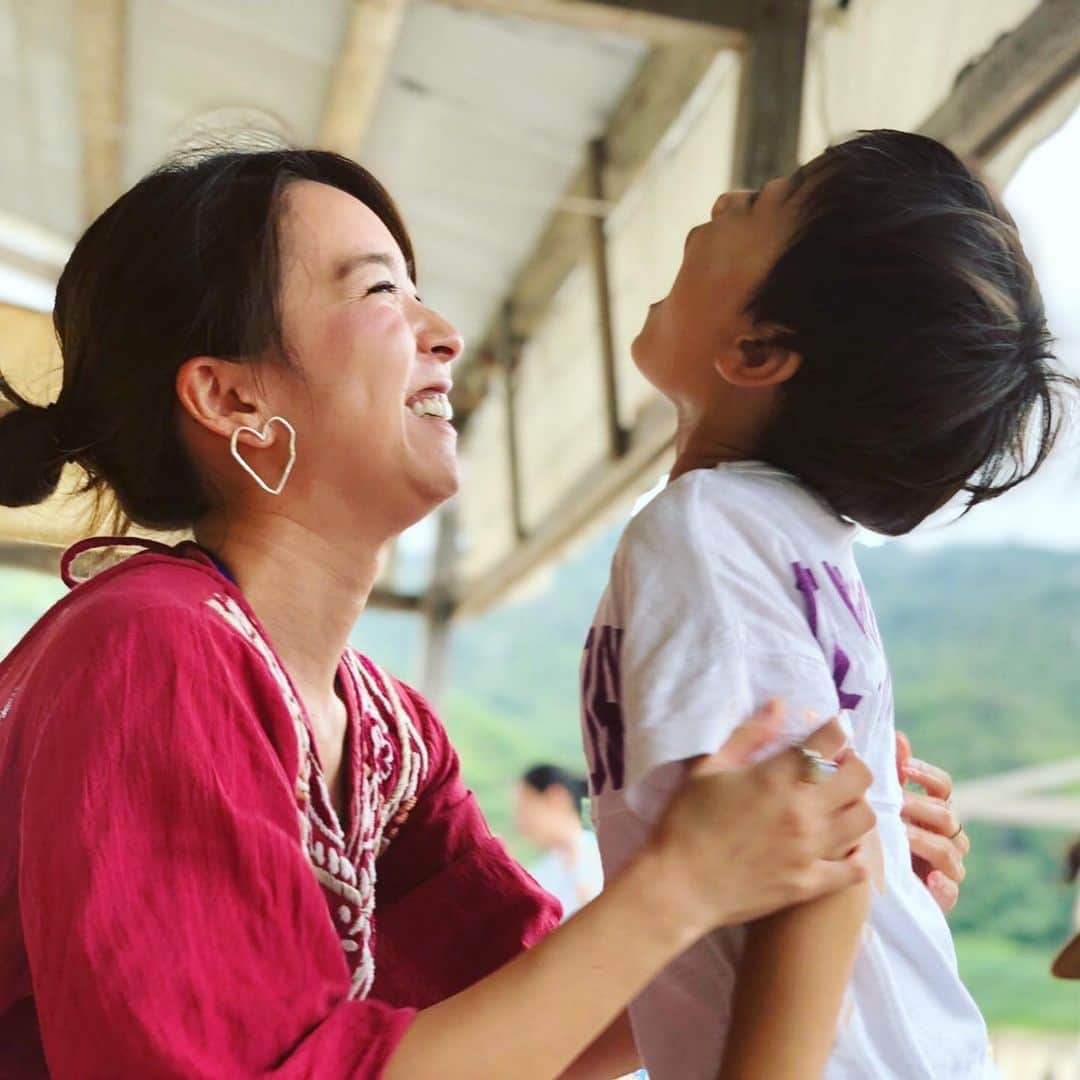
[565, 874]
[735, 585]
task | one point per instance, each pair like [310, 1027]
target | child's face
[691, 337]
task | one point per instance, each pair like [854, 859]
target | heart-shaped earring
[263, 436]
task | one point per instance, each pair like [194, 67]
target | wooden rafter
[657, 95]
[360, 72]
[995, 94]
[102, 29]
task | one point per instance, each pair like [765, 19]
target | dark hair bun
[30, 456]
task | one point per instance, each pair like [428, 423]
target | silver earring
[263, 436]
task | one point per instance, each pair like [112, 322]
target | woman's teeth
[437, 405]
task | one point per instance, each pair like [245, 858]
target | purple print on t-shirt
[806, 583]
[852, 603]
[601, 692]
[841, 666]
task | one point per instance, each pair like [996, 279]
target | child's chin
[643, 356]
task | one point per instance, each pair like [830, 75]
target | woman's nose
[440, 338]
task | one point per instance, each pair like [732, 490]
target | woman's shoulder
[148, 605]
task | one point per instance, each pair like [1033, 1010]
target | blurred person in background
[1072, 874]
[1066, 964]
[547, 812]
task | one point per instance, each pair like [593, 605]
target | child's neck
[701, 444]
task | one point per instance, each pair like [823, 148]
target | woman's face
[370, 358]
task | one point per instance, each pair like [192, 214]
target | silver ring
[815, 768]
[957, 833]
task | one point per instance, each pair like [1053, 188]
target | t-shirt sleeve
[452, 905]
[173, 924]
[688, 674]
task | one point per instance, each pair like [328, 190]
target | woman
[230, 846]
[547, 811]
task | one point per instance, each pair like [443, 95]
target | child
[857, 344]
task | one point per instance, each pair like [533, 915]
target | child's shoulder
[703, 500]
[690, 520]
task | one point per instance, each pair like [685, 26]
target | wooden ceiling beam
[359, 74]
[1014, 78]
[771, 94]
[45, 559]
[102, 39]
[662, 22]
[39, 557]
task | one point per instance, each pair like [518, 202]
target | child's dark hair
[544, 776]
[922, 332]
[186, 263]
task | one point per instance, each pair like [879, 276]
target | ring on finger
[815, 769]
[957, 833]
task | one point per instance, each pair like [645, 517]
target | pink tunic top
[177, 895]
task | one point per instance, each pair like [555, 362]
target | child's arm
[790, 987]
[612, 1054]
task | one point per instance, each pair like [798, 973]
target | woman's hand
[741, 841]
[938, 843]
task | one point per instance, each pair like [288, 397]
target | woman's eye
[382, 287]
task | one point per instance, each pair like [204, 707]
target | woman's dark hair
[542, 777]
[187, 263]
[926, 357]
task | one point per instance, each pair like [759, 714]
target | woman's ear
[757, 360]
[217, 394]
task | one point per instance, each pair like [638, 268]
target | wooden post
[439, 605]
[617, 436]
[508, 362]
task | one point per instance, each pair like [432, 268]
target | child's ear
[755, 361]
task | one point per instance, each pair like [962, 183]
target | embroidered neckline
[387, 763]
